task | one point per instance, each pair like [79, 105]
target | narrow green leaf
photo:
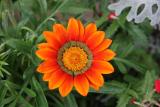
[3, 92]
[131, 64]
[121, 67]
[7, 100]
[123, 100]
[43, 6]
[138, 35]
[70, 101]
[77, 10]
[40, 96]
[30, 92]
[19, 45]
[113, 87]
[148, 84]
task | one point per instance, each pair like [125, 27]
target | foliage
[140, 10]
[22, 23]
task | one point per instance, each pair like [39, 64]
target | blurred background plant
[137, 64]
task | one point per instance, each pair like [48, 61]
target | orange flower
[75, 57]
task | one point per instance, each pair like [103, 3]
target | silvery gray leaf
[150, 10]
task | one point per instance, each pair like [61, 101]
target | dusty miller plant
[140, 10]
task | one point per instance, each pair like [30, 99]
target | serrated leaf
[146, 12]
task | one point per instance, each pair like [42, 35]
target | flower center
[75, 59]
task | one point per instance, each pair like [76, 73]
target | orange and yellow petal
[62, 33]
[66, 86]
[95, 39]
[48, 66]
[52, 39]
[104, 45]
[95, 77]
[106, 55]
[73, 29]
[57, 79]
[47, 76]
[81, 84]
[46, 53]
[102, 67]
[44, 45]
[89, 30]
[81, 31]
[95, 87]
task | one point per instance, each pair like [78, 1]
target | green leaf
[127, 50]
[3, 91]
[77, 10]
[138, 35]
[101, 20]
[24, 102]
[121, 67]
[148, 83]
[130, 64]
[113, 87]
[19, 45]
[40, 96]
[70, 101]
[7, 100]
[43, 6]
[111, 30]
[123, 100]
[57, 101]
[30, 92]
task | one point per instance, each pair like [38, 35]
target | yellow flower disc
[75, 59]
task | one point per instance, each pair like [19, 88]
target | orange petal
[95, 77]
[81, 31]
[48, 66]
[102, 67]
[73, 29]
[47, 76]
[81, 84]
[66, 86]
[94, 86]
[46, 53]
[89, 30]
[106, 55]
[95, 39]
[57, 79]
[105, 44]
[52, 39]
[44, 45]
[61, 31]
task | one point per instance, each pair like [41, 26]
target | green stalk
[40, 25]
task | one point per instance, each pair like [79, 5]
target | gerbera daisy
[75, 57]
